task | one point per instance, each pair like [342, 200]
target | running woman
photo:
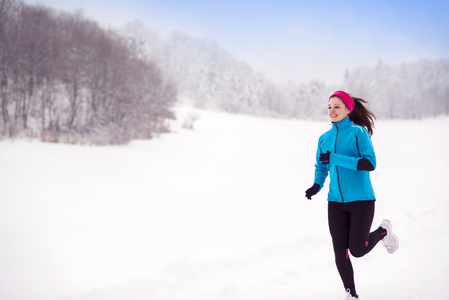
[346, 153]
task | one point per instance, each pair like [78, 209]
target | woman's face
[337, 109]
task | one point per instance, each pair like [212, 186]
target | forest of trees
[63, 78]
[210, 77]
[406, 91]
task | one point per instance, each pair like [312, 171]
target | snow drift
[217, 212]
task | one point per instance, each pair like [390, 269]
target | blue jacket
[351, 158]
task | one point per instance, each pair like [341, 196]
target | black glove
[324, 158]
[312, 191]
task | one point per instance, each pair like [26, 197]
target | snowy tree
[407, 91]
[65, 78]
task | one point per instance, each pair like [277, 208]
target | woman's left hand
[325, 158]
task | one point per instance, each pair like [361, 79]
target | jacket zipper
[336, 167]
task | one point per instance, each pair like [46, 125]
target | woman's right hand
[312, 191]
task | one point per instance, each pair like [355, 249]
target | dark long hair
[361, 115]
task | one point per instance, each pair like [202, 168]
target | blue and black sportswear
[347, 154]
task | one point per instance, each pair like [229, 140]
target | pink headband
[347, 100]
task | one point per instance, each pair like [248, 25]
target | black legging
[349, 225]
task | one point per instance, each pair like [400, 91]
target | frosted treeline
[211, 77]
[65, 78]
[407, 91]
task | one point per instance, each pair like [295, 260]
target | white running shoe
[349, 296]
[390, 241]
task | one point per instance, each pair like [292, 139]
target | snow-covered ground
[217, 212]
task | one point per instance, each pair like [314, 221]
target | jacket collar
[343, 123]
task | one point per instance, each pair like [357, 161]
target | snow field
[217, 212]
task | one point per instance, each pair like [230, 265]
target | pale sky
[291, 39]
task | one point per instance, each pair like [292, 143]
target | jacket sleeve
[321, 171]
[365, 162]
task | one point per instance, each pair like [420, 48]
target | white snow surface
[217, 212]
